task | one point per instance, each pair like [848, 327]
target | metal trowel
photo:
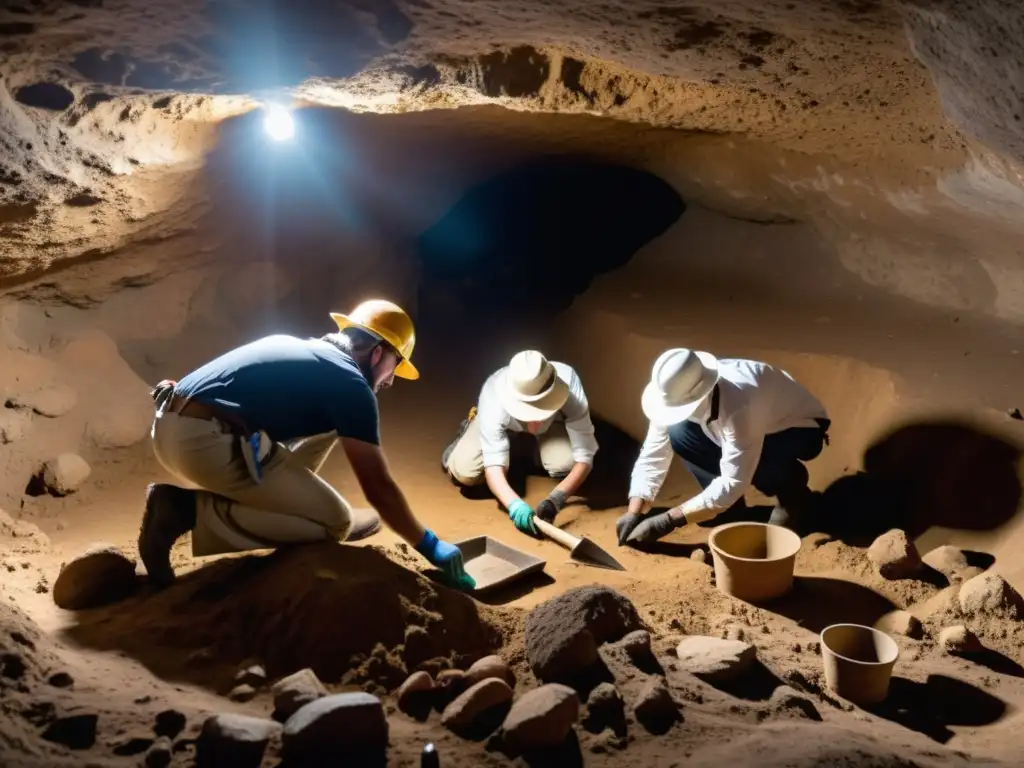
[581, 549]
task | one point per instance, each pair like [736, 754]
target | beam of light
[278, 123]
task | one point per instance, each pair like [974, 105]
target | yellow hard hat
[391, 323]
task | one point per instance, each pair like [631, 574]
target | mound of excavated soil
[350, 613]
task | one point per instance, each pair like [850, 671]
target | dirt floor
[345, 611]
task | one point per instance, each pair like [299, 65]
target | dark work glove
[625, 525]
[654, 527]
[548, 509]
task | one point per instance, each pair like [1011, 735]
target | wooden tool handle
[564, 538]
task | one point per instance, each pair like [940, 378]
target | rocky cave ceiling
[108, 107]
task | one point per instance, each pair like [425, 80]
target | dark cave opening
[535, 236]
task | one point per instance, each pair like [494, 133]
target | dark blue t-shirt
[289, 388]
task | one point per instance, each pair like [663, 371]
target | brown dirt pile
[350, 613]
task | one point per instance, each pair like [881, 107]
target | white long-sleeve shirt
[496, 422]
[755, 400]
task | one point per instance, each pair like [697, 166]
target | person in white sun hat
[530, 396]
[734, 423]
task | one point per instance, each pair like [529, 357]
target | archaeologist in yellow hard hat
[249, 431]
[530, 396]
[735, 423]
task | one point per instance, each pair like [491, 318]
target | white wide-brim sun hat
[531, 389]
[680, 380]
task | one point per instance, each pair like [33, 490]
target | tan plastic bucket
[858, 662]
[753, 561]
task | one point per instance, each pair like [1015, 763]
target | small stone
[895, 555]
[470, 706]
[542, 718]
[169, 723]
[637, 645]
[73, 731]
[949, 561]
[989, 594]
[50, 401]
[713, 659]
[242, 693]
[1014, 413]
[235, 740]
[448, 684]
[605, 709]
[415, 694]
[61, 680]
[959, 639]
[699, 556]
[65, 474]
[160, 754]
[901, 623]
[490, 666]
[296, 691]
[335, 729]
[256, 676]
[134, 745]
[654, 708]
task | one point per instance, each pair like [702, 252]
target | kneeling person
[248, 432]
[735, 423]
[530, 396]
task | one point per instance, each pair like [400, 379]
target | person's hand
[548, 509]
[448, 558]
[625, 525]
[522, 515]
[654, 527]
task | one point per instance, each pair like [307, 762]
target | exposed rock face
[563, 634]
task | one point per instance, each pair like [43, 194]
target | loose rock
[713, 659]
[73, 731]
[235, 740]
[470, 707]
[49, 401]
[490, 666]
[169, 723]
[563, 634]
[895, 555]
[254, 675]
[448, 684]
[959, 639]
[61, 680]
[541, 719]
[901, 623]
[100, 576]
[295, 691]
[336, 728]
[159, 755]
[637, 645]
[242, 693]
[699, 556]
[605, 709]
[989, 593]
[65, 473]
[415, 694]
[949, 561]
[654, 708]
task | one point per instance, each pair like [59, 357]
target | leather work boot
[170, 514]
[462, 430]
[365, 523]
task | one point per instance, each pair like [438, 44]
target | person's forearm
[390, 502]
[574, 479]
[498, 483]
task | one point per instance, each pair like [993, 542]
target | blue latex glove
[448, 558]
[522, 515]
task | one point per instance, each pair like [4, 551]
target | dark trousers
[780, 471]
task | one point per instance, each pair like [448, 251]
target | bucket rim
[752, 523]
[873, 664]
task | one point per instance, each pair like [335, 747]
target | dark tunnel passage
[534, 237]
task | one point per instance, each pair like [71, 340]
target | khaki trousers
[466, 461]
[291, 505]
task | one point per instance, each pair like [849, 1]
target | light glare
[278, 123]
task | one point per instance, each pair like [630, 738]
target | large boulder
[989, 594]
[541, 719]
[563, 634]
[99, 576]
[895, 555]
[334, 729]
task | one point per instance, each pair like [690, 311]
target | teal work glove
[522, 515]
[448, 558]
